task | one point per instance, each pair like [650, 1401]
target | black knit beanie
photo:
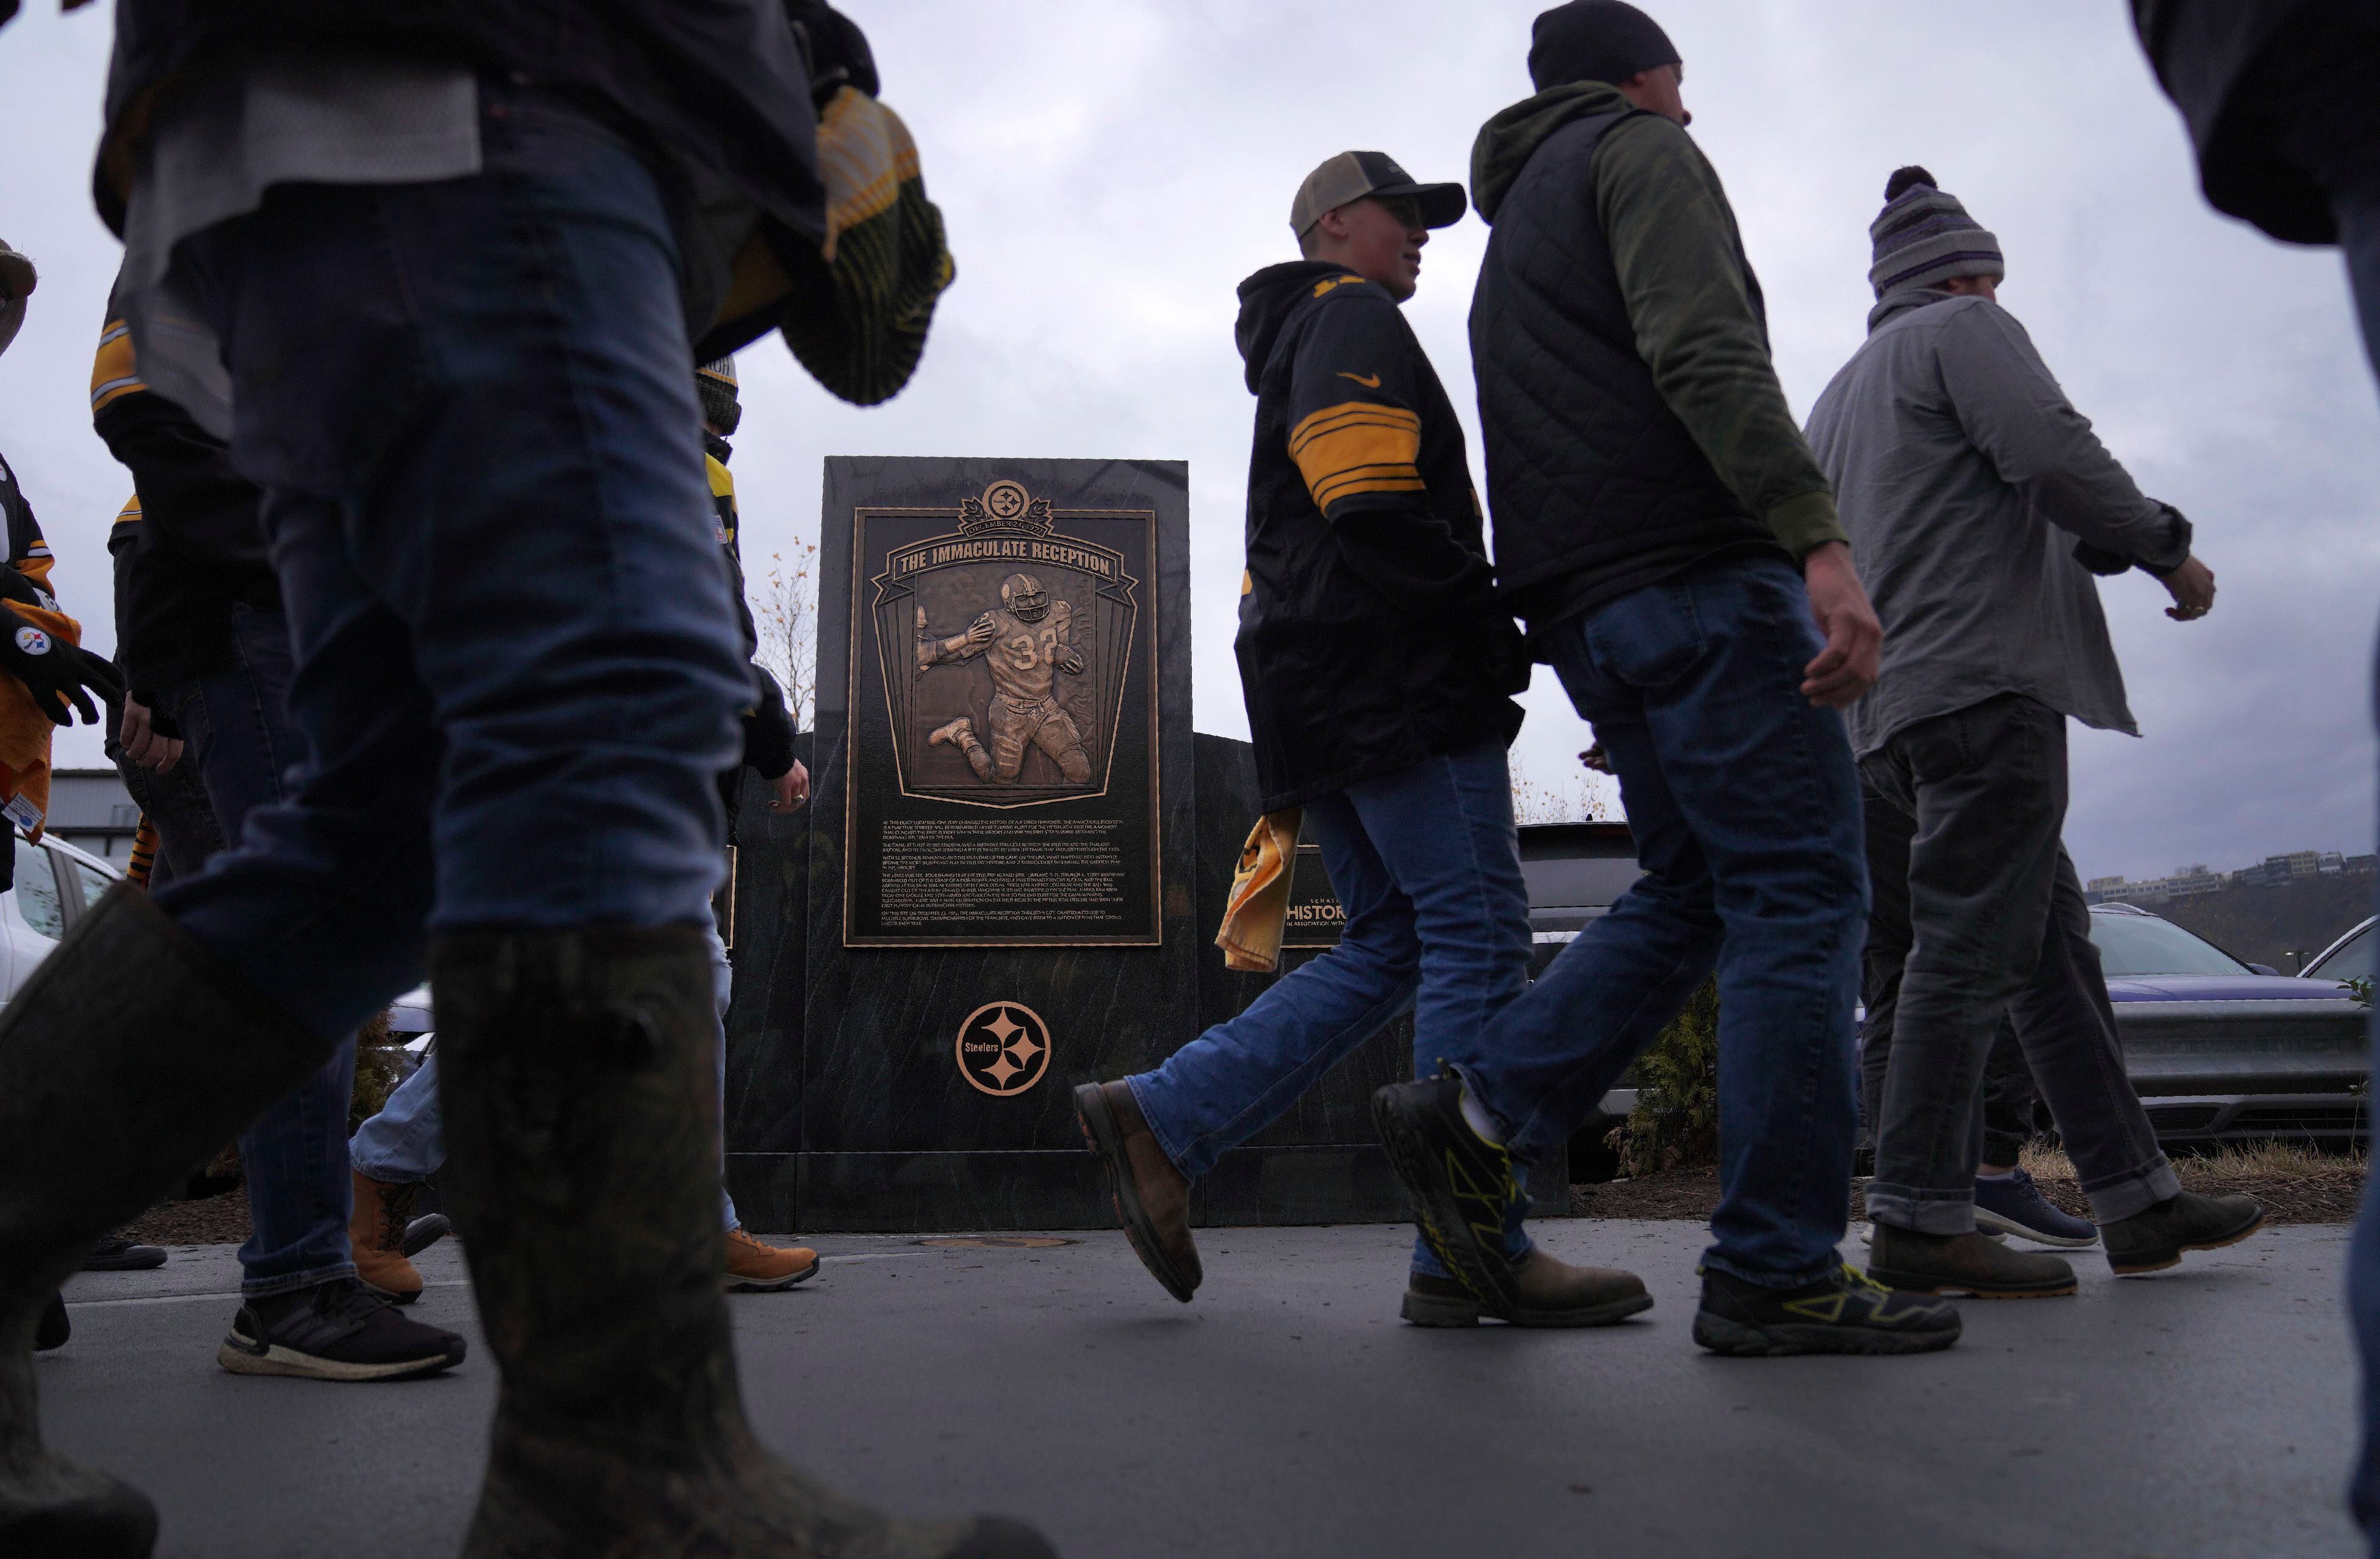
[714, 385]
[1595, 41]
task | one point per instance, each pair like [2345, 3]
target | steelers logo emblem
[1005, 500]
[1003, 1048]
[33, 640]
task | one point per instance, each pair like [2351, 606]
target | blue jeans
[471, 405]
[1425, 863]
[1745, 806]
[235, 721]
[406, 1143]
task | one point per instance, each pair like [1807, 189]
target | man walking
[1983, 504]
[1376, 666]
[1661, 527]
[205, 651]
[2282, 99]
[455, 290]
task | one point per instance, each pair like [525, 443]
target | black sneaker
[1848, 1312]
[53, 1329]
[114, 1253]
[422, 1233]
[1462, 1185]
[2015, 1206]
[337, 1331]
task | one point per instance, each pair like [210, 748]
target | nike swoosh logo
[1372, 382]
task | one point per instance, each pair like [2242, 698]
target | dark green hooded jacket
[1633, 422]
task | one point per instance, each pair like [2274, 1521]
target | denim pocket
[1648, 637]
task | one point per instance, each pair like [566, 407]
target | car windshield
[2145, 944]
[2351, 962]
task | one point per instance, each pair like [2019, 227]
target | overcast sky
[1110, 169]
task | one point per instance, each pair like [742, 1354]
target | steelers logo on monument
[1003, 1048]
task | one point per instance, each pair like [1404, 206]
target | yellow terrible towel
[1258, 912]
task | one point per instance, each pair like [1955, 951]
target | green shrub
[1675, 1124]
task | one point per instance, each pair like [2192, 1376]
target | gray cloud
[1111, 169]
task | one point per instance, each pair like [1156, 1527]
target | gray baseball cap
[1351, 176]
[17, 280]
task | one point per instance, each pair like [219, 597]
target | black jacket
[1598, 486]
[191, 546]
[769, 727]
[2207, 54]
[1369, 634]
[726, 82]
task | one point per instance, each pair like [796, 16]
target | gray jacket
[1973, 494]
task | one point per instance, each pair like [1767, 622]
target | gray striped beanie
[1923, 238]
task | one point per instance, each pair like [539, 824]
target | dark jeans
[176, 806]
[244, 751]
[1425, 864]
[2009, 1094]
[1966, 809]
[518, 672]
[1745, 806]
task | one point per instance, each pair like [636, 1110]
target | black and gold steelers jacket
[768, 725]
[1369, 634]
[189, 545]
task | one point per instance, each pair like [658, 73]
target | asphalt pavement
[1288, 1412]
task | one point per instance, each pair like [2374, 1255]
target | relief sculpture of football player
[1026, 644]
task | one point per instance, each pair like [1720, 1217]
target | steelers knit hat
[1923, 238]
[715, 383]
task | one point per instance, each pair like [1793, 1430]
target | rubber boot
[582, 1172]
[130, 1057]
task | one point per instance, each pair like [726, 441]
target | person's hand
[793, 789]
[1847, 668]
[1594, 759]
[55, 672]
[980, 630]
[143, 743]
[2193, 589]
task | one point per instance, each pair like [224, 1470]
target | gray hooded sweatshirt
[1979, 505]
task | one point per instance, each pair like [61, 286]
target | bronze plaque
[1002, 782]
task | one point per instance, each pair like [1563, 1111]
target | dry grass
[2296, 1184]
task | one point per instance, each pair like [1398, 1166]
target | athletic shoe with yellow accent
[1462, 1185]
[1845, 1312]
[756, 1267]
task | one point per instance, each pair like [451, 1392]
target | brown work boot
[376, 1234]
[1152, 1198]
[755, 1267]
[1553, 1293]
[1968, 1263]
[2151, 1241]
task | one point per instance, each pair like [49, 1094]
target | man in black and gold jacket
[1378, 670]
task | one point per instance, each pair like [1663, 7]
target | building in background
[91, 810]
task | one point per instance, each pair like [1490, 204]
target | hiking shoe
[2151, 1241]
[114, 1253]
[1968, 1263]
[342, 1330]
[754, 1267]
[2015, 1206]
[1845, 1312]
[376, 1230]
[1552, 1294]
[1152, 1198]
[1462, 1187]
[53, 1329]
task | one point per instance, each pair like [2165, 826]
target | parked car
[55, 882]
[2347, 958]
[2222, 1050]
